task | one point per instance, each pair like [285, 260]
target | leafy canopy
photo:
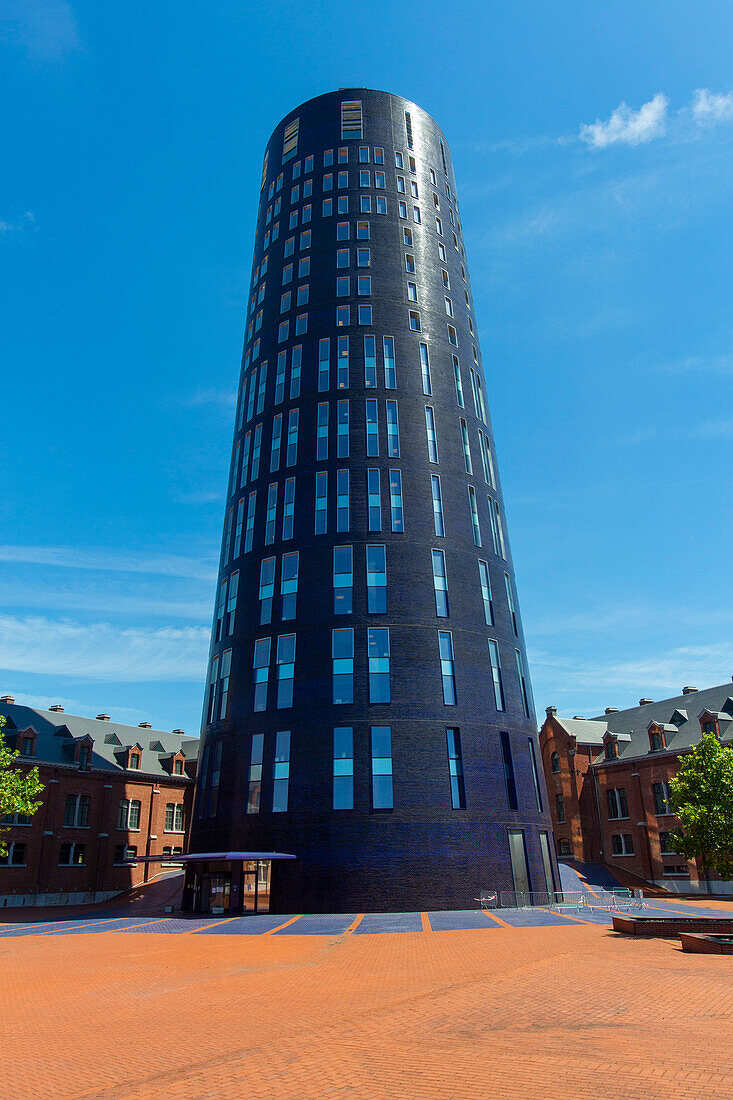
[701, 795]
[18, 787]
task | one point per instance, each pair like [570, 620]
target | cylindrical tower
[368, 706]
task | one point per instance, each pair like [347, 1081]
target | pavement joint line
[354, 924]
[206, 927]
[566, 916]
[271, 931]
[425, 921]
[82, 927]
[147, 923]
[503, 923]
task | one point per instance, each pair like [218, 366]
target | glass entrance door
[547, 863]
[219, 892]
[519, 863]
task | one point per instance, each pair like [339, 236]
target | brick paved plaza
[570, 1010]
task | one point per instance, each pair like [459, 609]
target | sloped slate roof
[587, 733]
[54, 729]
[635, 721]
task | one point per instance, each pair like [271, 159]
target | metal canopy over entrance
[224, 882]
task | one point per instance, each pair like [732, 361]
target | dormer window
[27, 746]
[709, 723]
[657, 739]
[611, 750]
[555, 762]
[84, 754]
[134, 764]
[178, 767]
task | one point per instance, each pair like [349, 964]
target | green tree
[701, 795]
[18, 788]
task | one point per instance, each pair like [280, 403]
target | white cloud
[25, 222]
[718, 364]
[711, 107]
[627, 126]
[170, 565]
[101, 651]
[227, 398]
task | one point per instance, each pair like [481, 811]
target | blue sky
[593, 151]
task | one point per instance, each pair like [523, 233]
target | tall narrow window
[281, 772]
[290, 139]
[382, 793]
[285, 658]
[267, 589]
[232, 602]
[379, 674]
[321, 523]
[393, 430]
[511, 786]
[499, 528]
[440, 584]
[343, 580]
[226, 668]
[343, 768]
[395, 500]
[474, 516]
[535, 773]
[490, 462]
[238, 529]
[432, 438]
[322, 431]
[437, 506]
[271, 513]
[486, 595]
[245, 459]
[282, 359]
[261, 666]
[254, 773]
[372, 428]
[374, 500]
[256, 450]
[251, 394]
[376, 572]
[447, 667]
[342, 660]
[370, 362]
[221, 605]
[484, 460]
[262, 387]
[343, 503]
[342, 430]
[342, 364]
[427, 385]
[351, 119]
[289, 586]
[213, 678]
[249, 527]
[288, 508]
[510, 601]
[459, 384]
[324, 364]
[496, 675]
[455, 769]
[466, 447]
[291, 453]
[296, 362]
[390, 371]
[277, 427]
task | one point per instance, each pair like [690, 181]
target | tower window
[351, 119]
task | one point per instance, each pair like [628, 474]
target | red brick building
[110, 792]
[607, 782]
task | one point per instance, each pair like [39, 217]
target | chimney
[643, 702]
[578, 718]
[7, 699]
[685, 691]
[611, 710]
[144, 725]
[56, 708]
[103, 718]
[550, 711]
[181, 733]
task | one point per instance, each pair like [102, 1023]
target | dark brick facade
[423, 852]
